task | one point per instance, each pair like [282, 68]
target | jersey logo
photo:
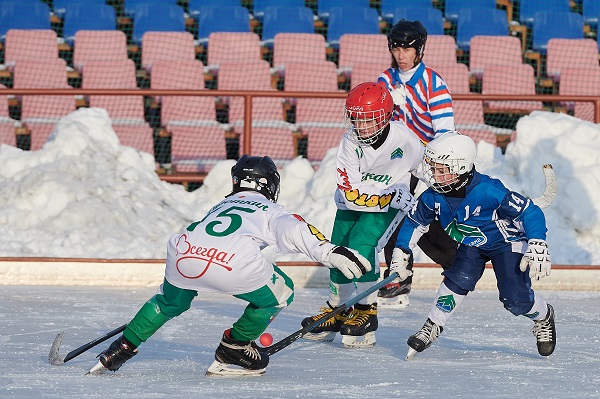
[369, 201]
[377, 178]
[446, 303]
[465, 234]
[190, 258]
[397, 153]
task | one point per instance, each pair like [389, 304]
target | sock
[539, 310]
[362, 287]
[340, 293]
[443, 306]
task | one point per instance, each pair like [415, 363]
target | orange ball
[266, 339]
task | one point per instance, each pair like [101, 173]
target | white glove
[400, 261]
[399, 95]
[348, 261]
[403, 199]
[537, 258]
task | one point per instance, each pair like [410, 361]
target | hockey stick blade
[546, 199]
[290, 339]
[54, 357]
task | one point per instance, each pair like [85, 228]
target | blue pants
[514, 286]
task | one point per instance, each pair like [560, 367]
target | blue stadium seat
[155, 17]
[591, 13]
[431, 18]
[195, 5]
[129, 6]
[469, 25]
[23, 15]
[259, 6]
[324, 7]
[286, 20]
[222, 19]
[83, 16]
[365, 20]
[59, 7]
[550, 25]
[453, 7]
[528, 8]
[388, 7]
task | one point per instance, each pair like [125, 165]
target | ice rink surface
[484, 351]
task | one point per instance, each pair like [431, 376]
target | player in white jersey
[375, 160]
[222, 253]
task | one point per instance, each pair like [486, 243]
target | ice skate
[394, 295]
[325, 331]
[359, 330]
[237, 358]
[113, 358]
[545, 333]
[423, 339]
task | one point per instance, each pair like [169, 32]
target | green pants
[362, 232]
[264, 304]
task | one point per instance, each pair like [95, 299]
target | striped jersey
[428, 108]
[490, 217]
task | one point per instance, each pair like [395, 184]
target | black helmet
[408, 34]
[256, 174]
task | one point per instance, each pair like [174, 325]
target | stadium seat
[469, 25]
[440, 49]
[83, 16]
[286, 20]
[259, 6]
[468, 115]
[498, 50]
[291, 47]
[59, 7]
[388, 7]
[367, 72]
[232, 46]
[197, 139]
[33, 44]
[98, 46]
[195, 5]
[7, 124]
[522, 81]
[431, 18]
[321, 120]
[41, 113]
[222, 19]
[126, 112]
[173, 46]
[324, 7]
[550, 25]
[581, 82]
[157, 18]
[271, 134]
[365, 20]
[528, 9]
[359, 48]
[453, 7]
[569, 53]
[129, 6]
[591, 13]
[23, 15]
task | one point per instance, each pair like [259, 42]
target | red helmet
[369, 108]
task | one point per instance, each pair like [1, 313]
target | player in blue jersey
[489, 223]
[423, 102]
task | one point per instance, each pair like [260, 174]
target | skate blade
[218, 369]
[410, 354]
[97, 369]
[397, 302]
[325, 336]
[365, 341]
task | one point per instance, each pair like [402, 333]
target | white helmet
[448, 161]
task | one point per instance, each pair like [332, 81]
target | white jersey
[365, 174]
[222, 252]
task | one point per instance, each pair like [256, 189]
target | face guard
[368, 111]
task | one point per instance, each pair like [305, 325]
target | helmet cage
[366, 126]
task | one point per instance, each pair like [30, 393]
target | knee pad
[455, 288]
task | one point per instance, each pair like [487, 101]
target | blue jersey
[490, 217]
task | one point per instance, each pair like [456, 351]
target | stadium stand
[222, 19]
[324, 7]
[32, 44]
[173, 46]
[290, 47]
[259, 6]
[431, 18]
[498, 50]
[365, 20]
[367, 72]
[23, 15]
[562, 52]
[582, 82]
[440, 49]
[453, 7]
[528, 9]
[7, 124]
[521, 81]
[550, 25]
[388, 7]
[84, 16]
[469, 25]
[286, 20]
[98, 46]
